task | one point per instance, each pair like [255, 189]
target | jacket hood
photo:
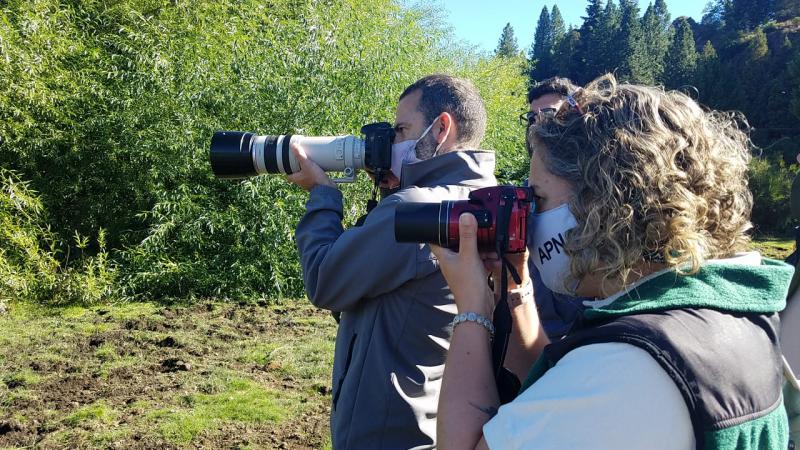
[460, 167]
[746, 283]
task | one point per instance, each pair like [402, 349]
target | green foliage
[794, 74]
[507, 44]
[681, 59]
[747, 62]
[786, 9]
[109, 109]
[557, 28]
[632, 56]
[550, 32]
[709, 73]
[590, 49]
[747, 14]
[770, 182]
[542, 47]
[566, 59]
[607, 38]
[656, 39]
[29, 269]
[502, 84]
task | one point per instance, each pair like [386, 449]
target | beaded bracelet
[474, 317]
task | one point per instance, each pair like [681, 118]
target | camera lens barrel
[422, 222]
[272, 154]
[231, 156]
[237, 154]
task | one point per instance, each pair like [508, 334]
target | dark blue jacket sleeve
[341, 267]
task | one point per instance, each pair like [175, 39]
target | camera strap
[372, 202]
[508, 384]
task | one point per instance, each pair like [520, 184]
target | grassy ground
[774, 247]
[141, 376]
[210, 375]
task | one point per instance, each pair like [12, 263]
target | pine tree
[681, 58]
[709, 79]
[758, 47]
[507, 44]
[591, 48]
[745, 15]
[632, 56]
[714, 14]
[557, 28]
[542, 47]
[761, 11]
[655, 39]
[662, 12]
[594, 13]
[607, 35]
[550, 32]
[566, 59]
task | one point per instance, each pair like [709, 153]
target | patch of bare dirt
[152, 361]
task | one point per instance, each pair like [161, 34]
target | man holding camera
[395, 305]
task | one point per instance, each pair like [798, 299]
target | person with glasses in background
[546, 97]
[557, 312]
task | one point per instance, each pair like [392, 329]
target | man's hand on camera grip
[310, 173]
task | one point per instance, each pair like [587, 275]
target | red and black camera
[502, 214]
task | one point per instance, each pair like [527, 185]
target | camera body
[237, 154]
[501, 211]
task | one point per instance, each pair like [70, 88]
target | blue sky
[481, 22]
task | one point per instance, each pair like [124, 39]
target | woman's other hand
[519, 261]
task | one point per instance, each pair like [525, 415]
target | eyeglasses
[528, 118]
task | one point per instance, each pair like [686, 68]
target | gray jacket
[395, 304]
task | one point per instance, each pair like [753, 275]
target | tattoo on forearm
[491, 411]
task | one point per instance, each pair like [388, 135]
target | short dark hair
[456, 96]
[552, 85]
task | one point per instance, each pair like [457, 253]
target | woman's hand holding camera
[465, 271]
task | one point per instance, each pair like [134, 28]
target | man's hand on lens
[310, 173]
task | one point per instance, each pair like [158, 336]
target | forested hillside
[107, 110]
[744, 55]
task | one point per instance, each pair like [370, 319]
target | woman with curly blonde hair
[642, 203]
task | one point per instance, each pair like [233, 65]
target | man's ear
[445, 129]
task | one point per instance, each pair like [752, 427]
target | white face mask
[547, 251]
[406, 152]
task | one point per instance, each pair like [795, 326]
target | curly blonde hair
[656, 177]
